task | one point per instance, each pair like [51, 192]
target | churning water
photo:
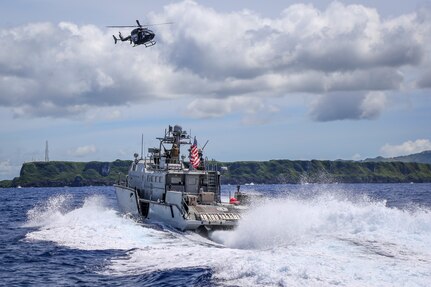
[299, 235]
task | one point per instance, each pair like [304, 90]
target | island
[64, 173]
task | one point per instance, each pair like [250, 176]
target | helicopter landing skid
[149, 44]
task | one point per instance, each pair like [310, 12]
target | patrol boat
[164, 187]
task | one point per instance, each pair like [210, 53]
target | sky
[258, 80]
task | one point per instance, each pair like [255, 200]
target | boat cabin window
[192, 180]
[175, 179]
[139, 167]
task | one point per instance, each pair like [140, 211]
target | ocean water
[299, 235]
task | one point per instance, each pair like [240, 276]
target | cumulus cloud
[206, 108]
[372, 105]
[342, 106]
[408, 147]
[63, 70]
[356, 156]
[83, 150]
[66, 70]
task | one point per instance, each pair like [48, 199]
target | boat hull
[169, 214]
[127, 200]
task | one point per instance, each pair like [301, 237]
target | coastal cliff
[65, 173]
[62, 173]
[325, 171]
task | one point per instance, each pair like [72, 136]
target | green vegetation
[63, 173]
[60, 173]
[316, 171]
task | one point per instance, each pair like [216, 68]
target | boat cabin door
[192, 183]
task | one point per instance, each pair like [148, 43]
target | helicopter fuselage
[142, 36]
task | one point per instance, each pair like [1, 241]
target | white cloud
[217, 59]
[342, 106]
[372, 105]
[406, 148]
[356, 156]
[83, 150]
[255, 110]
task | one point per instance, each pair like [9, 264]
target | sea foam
[323, 240]
[91, 226]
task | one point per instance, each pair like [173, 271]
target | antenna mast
[142, 147]
[46, 152]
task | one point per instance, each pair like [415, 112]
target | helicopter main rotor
[139, 25]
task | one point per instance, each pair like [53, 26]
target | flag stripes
[194, 155]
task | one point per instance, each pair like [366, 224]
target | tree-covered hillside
[287, 171]
[64, 173]
[61, 173]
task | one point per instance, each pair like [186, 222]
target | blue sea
[298, 235]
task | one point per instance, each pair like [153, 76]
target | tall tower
[46, 152]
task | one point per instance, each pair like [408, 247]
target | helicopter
[141, 35]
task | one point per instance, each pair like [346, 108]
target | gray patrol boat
[165, 187]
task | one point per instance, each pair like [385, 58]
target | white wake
[323, 241]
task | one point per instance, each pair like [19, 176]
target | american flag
[194, 156]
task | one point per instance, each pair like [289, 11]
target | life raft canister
[233, 200]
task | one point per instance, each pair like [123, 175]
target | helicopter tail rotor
[115, 39]
[139, 24]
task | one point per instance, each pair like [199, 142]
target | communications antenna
[142, 146]
[46, 152]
